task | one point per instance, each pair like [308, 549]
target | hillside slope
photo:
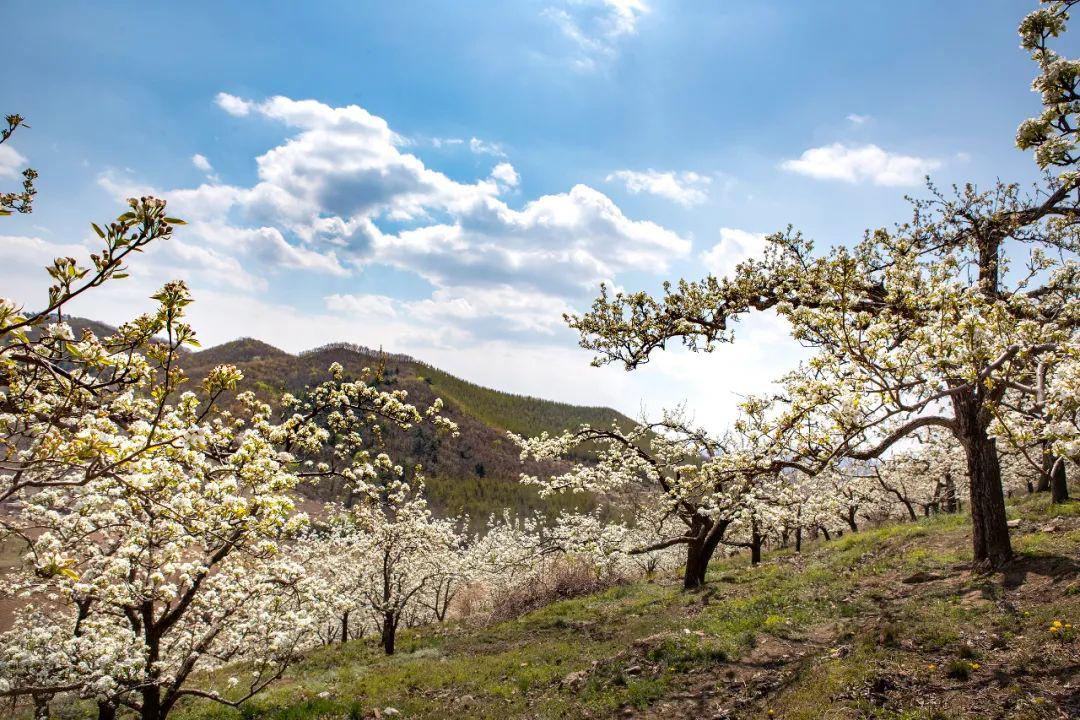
[474, 474]
[887, 623]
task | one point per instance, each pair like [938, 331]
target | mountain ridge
[473, 474]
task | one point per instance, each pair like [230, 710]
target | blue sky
[445, 178]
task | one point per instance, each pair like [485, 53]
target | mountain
[475, 473]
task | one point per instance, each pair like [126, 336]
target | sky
[447, 178]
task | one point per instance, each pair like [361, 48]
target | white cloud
[202, 163]
[232, 104]
[510, 307]
[857, 119]
[357, 306]
[198, 263]
[11, 162]
[595, 27]
[24, 260]
[685, 188]
[343, 195]
[506, 174]
[734, 247]
[861, 164]
[563, 244]
[481, 147]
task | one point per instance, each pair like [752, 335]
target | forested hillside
[474, 474]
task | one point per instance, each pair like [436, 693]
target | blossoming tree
[928, 324]
[155, 519]
[676, 464]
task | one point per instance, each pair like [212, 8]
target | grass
[832, 632]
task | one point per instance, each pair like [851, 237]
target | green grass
[834, 631]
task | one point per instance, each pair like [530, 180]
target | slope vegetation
[887, 623]
[475, 474]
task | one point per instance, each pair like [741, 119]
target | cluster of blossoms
[161, 533]
[691, 494]
[963, 319]
[159, 523]
[386, 562]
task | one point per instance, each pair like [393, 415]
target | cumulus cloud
[857, 119]
[480, 147]
[564, 244]
[232, 104]
[344, 194]
[24, 259]
[866, 163]
[202, 163]
[510, 308]
[595, 27]
[734, 247]
[506, 174]
[685, 188]
[379, 306]
[11, 162]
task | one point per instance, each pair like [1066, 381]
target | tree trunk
[389, 632]
[700, 552]
[798, 539]
[697, 563]
[106, 711]
[151, 703]
[825, 532]
[151, 692]
[990, 531]
[950, 494]
[852, 523]
[1059, 486]
[1047, 469]
[41, 707]
[989, 524]
[345, 627]
[755, 549]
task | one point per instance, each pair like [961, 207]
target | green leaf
[98, 230]
[175, 221]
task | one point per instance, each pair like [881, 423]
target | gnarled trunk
[950, 493]
[851, 521]
[345, 626]
[699, 551]
[989, 525]
[755, 548]
[389, 632]
[989, 528]
[1057, 480]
